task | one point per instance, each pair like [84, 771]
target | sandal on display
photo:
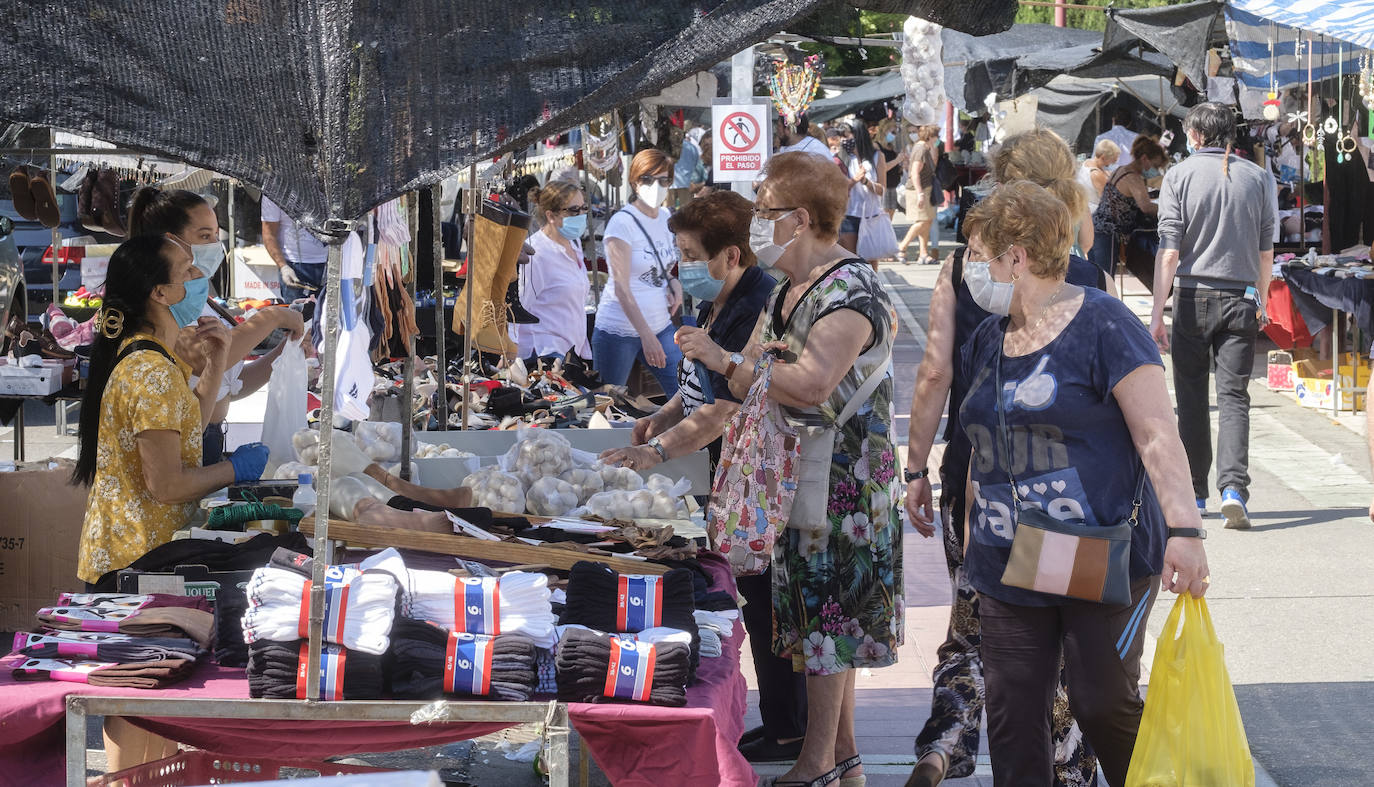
[44, 200]
[22, 196]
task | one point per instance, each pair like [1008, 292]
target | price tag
[639, 602]
[467, 664]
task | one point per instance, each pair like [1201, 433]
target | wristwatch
[912, 476]
[657, 445]
[1187, 532]
[736, 360]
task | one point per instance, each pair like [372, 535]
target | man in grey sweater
[1216, 250]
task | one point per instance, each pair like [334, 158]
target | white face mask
[761, 240]
[993, 297]
[654, 196]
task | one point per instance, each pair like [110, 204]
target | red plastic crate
[199, 767]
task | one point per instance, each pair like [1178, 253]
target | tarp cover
[978, 65]
[333, 106]
[1183, 33]
[1348, 20]
[1068, 105]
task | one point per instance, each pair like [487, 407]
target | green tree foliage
[1080, 18]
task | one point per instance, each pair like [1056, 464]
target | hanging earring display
[794, 87]
[1271, 101]
[1345, 144]
[1365, 83]
[1309, 131]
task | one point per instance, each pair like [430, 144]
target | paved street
[1290, 598]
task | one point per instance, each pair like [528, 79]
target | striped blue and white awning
[1265, 36]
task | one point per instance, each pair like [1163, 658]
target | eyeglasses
[759, 210]
[662, 180]
[577, 210]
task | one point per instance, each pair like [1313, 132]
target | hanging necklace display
[1309, 131]
[601, 145]
[1365, 83]
[1345, 144]
[793, 87]
[1329, 125]
[1271, 102]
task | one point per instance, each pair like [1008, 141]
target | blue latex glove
[249, 461]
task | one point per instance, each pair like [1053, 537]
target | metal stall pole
[470, 204]
[56, 232]
[408, 371]
[329, 297]
[440, 405]
[233, 240]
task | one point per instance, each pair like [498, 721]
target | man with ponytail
[1216, 251]
[140, 432]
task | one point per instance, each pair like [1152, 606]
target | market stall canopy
[334, 106]
[1068, 105]
[1264, 52]
[879, 88]
[978, 65]
[1351, 21]
[1182, 33]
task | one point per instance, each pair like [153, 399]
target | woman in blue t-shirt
[1085, 404]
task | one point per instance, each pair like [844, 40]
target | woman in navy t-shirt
[1085, 403]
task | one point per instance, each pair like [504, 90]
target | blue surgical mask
[574, 227]
[1152, 172]
[891, 137]
[205, 256]
[1191, 147]
[187, 310]
[697, 280]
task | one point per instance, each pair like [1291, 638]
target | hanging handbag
[753, 488]
[1085, 562]
[810, 504]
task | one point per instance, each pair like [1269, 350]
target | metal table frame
[554, 716]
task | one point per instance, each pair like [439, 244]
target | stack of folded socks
[154, 615]
[274, 672]
[602, 599]
[360, 602]
[715, 627]
[137, 675]
[109, 648]
[429, 662]
[594, 667]
[514, 603]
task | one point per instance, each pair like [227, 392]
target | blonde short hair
[1106, 151]
[816, 183]
[1025, 214]
[1042, 157]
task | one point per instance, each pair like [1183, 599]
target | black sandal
[828, 777]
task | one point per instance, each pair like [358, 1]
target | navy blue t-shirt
[1072, 453]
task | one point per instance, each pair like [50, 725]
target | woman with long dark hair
[187, 219]
[141, 432]
[862, 162]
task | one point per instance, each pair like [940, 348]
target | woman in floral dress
[837, 590]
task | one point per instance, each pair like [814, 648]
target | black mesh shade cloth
[334, 106]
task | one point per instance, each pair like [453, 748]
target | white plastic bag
[550, 496]
[285, 413]
[496, 489]
[538, 453]
[877, 240]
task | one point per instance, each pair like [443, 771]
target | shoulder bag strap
[653, 247]
[1004, 435]
[143, 344]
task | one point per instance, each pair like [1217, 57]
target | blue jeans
[310, 273]
[613, 355]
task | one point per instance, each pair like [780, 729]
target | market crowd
[1068, 500]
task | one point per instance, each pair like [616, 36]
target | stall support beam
[56, 233]
[553, 715]
[330, 303]
[408, 371]
[471, 203]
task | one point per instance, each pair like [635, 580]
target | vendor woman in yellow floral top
[140, 421]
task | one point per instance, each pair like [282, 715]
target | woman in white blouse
[554, 285]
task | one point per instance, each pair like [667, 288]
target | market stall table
[1311, 291]
[633, 744]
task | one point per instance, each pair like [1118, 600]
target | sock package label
[477, 605]
[467, 664]
[332, 658]
[336, 580]
[103, 600]
[103, 617]
[638, 603]
[69, 643]
[630, 672]
[69, 670]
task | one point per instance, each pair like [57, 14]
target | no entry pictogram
[739, 132]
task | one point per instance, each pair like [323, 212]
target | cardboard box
[1280, 370]
[40, 531]
[1314, 387]
[32, 380]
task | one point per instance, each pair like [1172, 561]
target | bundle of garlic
[380, 441]
[496, 489]
[550, 496]
[307, 444]
[431, 451]
[620, 478]
[662, 484]
[585, 482]
[538, 453]
[630, 506]
[293, 470]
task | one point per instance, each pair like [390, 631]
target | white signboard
[740, 141]
[253, 279]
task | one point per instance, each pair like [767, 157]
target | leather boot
[499, 233]
[519, 315]
[84, 212]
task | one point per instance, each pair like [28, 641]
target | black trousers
[1220, 326]
[1101, 647]
[782, 692]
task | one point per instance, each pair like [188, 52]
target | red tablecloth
[633, 744]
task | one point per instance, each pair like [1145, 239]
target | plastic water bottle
[304, 500]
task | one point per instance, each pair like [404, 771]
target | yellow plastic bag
[1191, 733]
